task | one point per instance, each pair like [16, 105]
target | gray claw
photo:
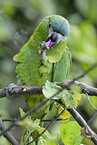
[9, 89]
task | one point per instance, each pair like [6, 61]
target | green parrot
[45, 56]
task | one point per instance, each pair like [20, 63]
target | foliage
[70, 133]
[33, 126]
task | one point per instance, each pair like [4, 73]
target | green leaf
[4, 141]
[27, 137]
[77, 99]
[28, 122]
[30, 131]
[53, 139]
[67, 99]
[51, 89]
[71, 133]
[22, 113]
[50, 139]
[42, 141]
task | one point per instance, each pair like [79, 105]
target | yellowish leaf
[64, 116]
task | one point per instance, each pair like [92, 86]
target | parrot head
[57, 30]
[59, 27]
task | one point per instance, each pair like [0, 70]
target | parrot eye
[49, 26]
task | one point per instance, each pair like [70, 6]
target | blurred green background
[19, 19]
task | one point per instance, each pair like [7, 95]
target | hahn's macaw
[45, 56]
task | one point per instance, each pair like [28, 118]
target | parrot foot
[9, 89]
[45, 46]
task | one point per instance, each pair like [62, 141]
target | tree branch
[8, 135]
[72, 111]
[32, 90]
[22, 90]
[37, 90]
[83, 123]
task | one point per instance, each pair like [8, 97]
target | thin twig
[10, 120]
[48, 120]
[90, 102]
[92, 118]
[7, 134]
[86, 72]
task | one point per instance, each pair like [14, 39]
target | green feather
[32, 70]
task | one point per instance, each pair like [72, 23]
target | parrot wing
[61, 68]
